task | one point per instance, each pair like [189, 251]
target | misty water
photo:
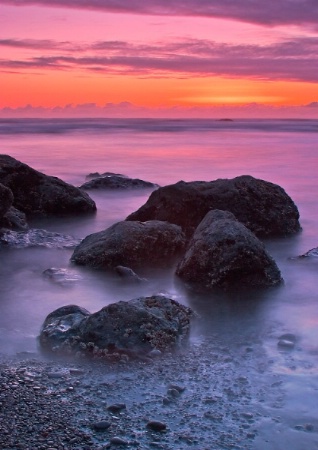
[164, 152]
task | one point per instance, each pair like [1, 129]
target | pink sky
[182, 58]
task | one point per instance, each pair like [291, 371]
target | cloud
[270, 13]
[184, 58]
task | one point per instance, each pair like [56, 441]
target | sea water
[166, 151]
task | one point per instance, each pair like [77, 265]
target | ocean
[166, 151]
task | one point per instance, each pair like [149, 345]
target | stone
[156, 425]
[117, 182]
[135, 328]
[131, 244]
[127, 274]
[6, 199]
[38, 194]
[116, 407]
[223, 253]
[261, 206]
[102, 425]
[14, 219]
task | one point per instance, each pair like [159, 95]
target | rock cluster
[34, 193]
[261, 206]
[133, 328]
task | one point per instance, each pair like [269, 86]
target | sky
[176, 58]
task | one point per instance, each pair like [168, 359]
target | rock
[105, 174]
[131, 244]
[61, 276]
[286, 344]
[224, 253]
[37, 238]
[61, 325]
[116, 407]
[102, 425]
[6, 199]
[128, 274]
[118, 441]
[115, 182]
[134, 327]
[155, 425]
[261, 206]
[313, 253]
[36, 193]
[14, 220]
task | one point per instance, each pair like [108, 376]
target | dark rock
[116, 407]
[61, 325]
[103, 425]
[105, 174]
[36, 193]
[134, 327]
[313, 253]
[224, 253]
[117, 182]
[118, 441]
[263, 207]
[6, 199]
[128, 274]
[286, 344]
[14, 220]
[155, 425]
[131, 244]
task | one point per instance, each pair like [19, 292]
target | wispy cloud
[279, 61]
[272, 12]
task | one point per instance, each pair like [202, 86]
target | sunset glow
[55, 54]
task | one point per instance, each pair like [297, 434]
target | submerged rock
[131, 244]
[313, 253]
[261, 206]
[134, 327]
[105, 174]
[61, 276]
[36, 193]
[224, 253]
[117, 182]
[37, 238]
[127, 274]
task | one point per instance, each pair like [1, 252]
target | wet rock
[134, 327]
[14, 220]
[128, 275]
[156, 425]
[61, 276]
[285, 344]
[118, 441]
[116, 408]
[6, 199]
[313, 253]
[61, 325]
[224, 253]
[101, 426]
[37, 238]
[131, 244]
[104, 174]
[261, 206]
[117, 182]
[36, 193]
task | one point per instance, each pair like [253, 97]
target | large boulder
[36, 193]
[131, 244]
[6, 199]
[134, 327]
[117, 182]
[223, 253]
[263, 207]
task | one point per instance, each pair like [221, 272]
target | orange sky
[57, 56]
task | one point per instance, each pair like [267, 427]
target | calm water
[165, 151]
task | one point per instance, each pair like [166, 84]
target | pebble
[116, 407]
[118, 441]
[155, 425]
[103, 425]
